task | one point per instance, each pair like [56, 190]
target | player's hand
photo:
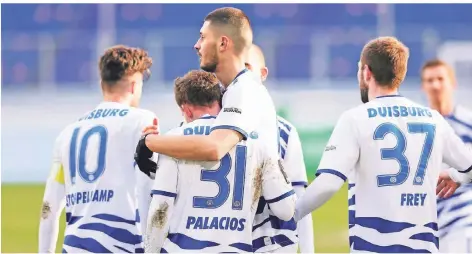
[446, 186]
[143, 157]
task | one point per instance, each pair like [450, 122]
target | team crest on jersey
[254, 135]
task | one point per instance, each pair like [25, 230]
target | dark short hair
[120, 61]
[237, 24]
[199, 88]
[387, 59]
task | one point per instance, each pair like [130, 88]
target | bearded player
[392, 149]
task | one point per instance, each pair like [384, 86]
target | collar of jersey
[237, 76]
[387, 96]
[207, 116]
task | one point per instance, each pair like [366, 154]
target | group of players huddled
[231, 177]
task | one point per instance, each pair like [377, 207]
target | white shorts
[459, 241]
[293, 248]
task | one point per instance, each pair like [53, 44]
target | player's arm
[295, 165]
[457, 155]
[163, 193]
[276, 188]
[334, 167]
[53, 204]
[143, 196]
[232, 125]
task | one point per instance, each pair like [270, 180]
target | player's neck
[126, 100]
[227, 72]
[445, 107]
[202, 111]
[380, 91]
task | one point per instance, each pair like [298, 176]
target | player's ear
[224, 43]
[132, 87]
[367, 73]
[264, 73]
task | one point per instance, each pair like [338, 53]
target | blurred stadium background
[49, 78]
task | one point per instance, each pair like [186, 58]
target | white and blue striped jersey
[455, 212]
[94, 161]
[393, 150]
[270, 232]
[215, 202]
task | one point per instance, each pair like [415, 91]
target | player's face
[364, 88]
[437, 83]
[136, 88]
[207, 48]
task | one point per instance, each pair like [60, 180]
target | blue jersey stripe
[382, 225]
[119, 234]
[331, 171]
[188, 243]
[164, 193]
[114, 218]
[87, 244]
[122, 249]
[242, 246]
[285, 195]
[360, 244]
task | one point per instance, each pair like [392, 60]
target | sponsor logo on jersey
[232, 110]
[330, 148]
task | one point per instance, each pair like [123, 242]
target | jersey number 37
[398, 152]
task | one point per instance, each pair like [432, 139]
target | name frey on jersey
[102, 113]
[219, 223]
[89, 196]
[398, 111]
[232, 110]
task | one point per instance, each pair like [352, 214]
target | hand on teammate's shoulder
[143, 156]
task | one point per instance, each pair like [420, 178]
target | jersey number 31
[220, 177]
[78, 154]
[398, 152]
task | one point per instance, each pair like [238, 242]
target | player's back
[216, 201]
[456, 211]
[97, 156]
[395, 178]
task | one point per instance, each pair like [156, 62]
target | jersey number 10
[77, 154]
[220, 177]
[398, 152]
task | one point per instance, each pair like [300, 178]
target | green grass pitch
[21, 206]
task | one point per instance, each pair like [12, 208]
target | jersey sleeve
[294, 162]
[276, 189]
[53, 203]
[237, 113]
[165, 183]
[455, 152]
[342, 151]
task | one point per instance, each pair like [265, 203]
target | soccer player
[248, 109]
[92, 173]
[393, 148]
[282, 236]
[454, 213]
[210, 208]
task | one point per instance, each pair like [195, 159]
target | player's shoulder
[201, 126]
[284, 123]
[141, 113]
[462, 114]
